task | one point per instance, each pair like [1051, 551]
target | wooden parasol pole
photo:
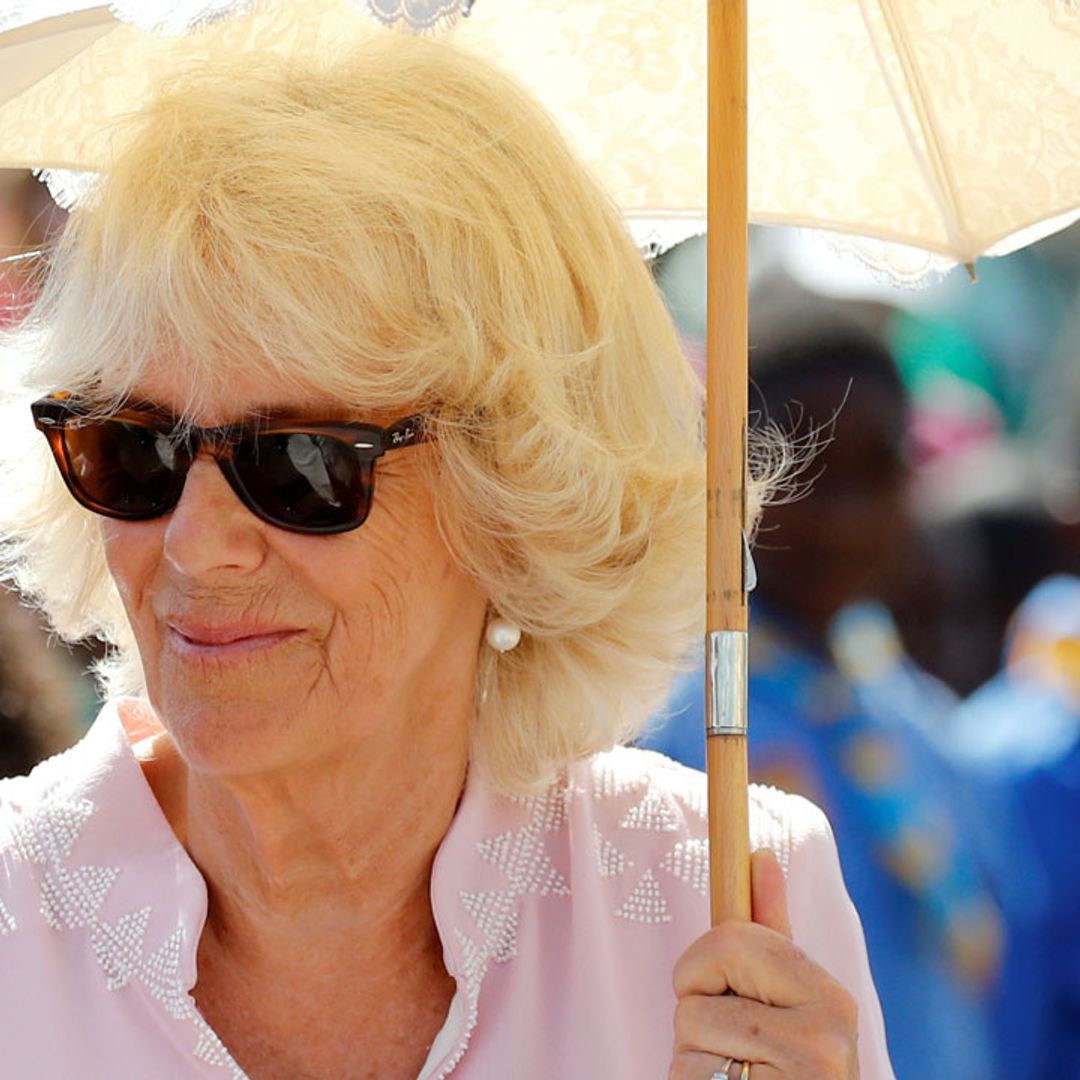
[727, 399]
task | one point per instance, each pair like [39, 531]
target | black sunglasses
[301, 476]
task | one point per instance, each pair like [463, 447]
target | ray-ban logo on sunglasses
[404, 435]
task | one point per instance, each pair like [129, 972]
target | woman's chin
[231, 733]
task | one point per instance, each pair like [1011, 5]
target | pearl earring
[502, 634]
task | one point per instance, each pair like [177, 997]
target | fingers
[746, 991]
[753, 962]
[698, 1066]
[810, 1042]
[768, 892]
[733, 1026]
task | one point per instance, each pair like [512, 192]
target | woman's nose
[210, 528]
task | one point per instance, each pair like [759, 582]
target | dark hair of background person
[980, 566]
[844, 530]
[38, 704]
[821, 371]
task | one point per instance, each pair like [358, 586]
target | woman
[352, 810]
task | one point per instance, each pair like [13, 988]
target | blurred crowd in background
[915, 634]
[915, 645]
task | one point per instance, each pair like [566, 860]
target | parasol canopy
[944, 125]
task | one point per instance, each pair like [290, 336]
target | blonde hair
[404, 229]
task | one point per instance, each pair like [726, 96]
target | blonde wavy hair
[405, 229]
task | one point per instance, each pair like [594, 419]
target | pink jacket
[561, 917]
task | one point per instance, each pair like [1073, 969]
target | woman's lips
[204, 642]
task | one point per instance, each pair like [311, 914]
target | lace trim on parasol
[655, 235]
[68, 187]
[177, 17]
[417, 15]
[888, 264]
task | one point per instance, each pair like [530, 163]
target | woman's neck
[319, 888]
[351, 840]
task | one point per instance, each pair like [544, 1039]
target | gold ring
[745, 1071]
[723, 1072]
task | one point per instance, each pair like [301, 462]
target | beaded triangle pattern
[646, 904]
[652, 812]
[160, 974]
[610, 861]
[495, 914]
[8, 925]
[119, 947]
[71, 897]
[688, 861]
[52, 834]
[521, 856]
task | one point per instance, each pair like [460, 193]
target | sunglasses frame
[54, 414]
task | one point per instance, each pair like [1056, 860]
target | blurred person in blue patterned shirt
[1019, 736]
[832, 694]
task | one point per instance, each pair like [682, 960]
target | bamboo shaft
[726, 349]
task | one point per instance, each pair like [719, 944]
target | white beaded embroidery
[646, 903]
[770, 827]
[688, 860]
[71, 898]
[475, 965]
[610, 782]
[211, 1049]
[119, 948]
[653, 812]
[521, 856]
[8, 925]
[160, 974]
[696, 800]
[51, 833]
[610, 861]
[496, 917]
[656, 810]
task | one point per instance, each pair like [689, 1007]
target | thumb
[768, 892]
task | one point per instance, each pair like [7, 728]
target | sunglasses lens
[125, 469]
[305, 481]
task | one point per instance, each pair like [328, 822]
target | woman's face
[265, 649]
